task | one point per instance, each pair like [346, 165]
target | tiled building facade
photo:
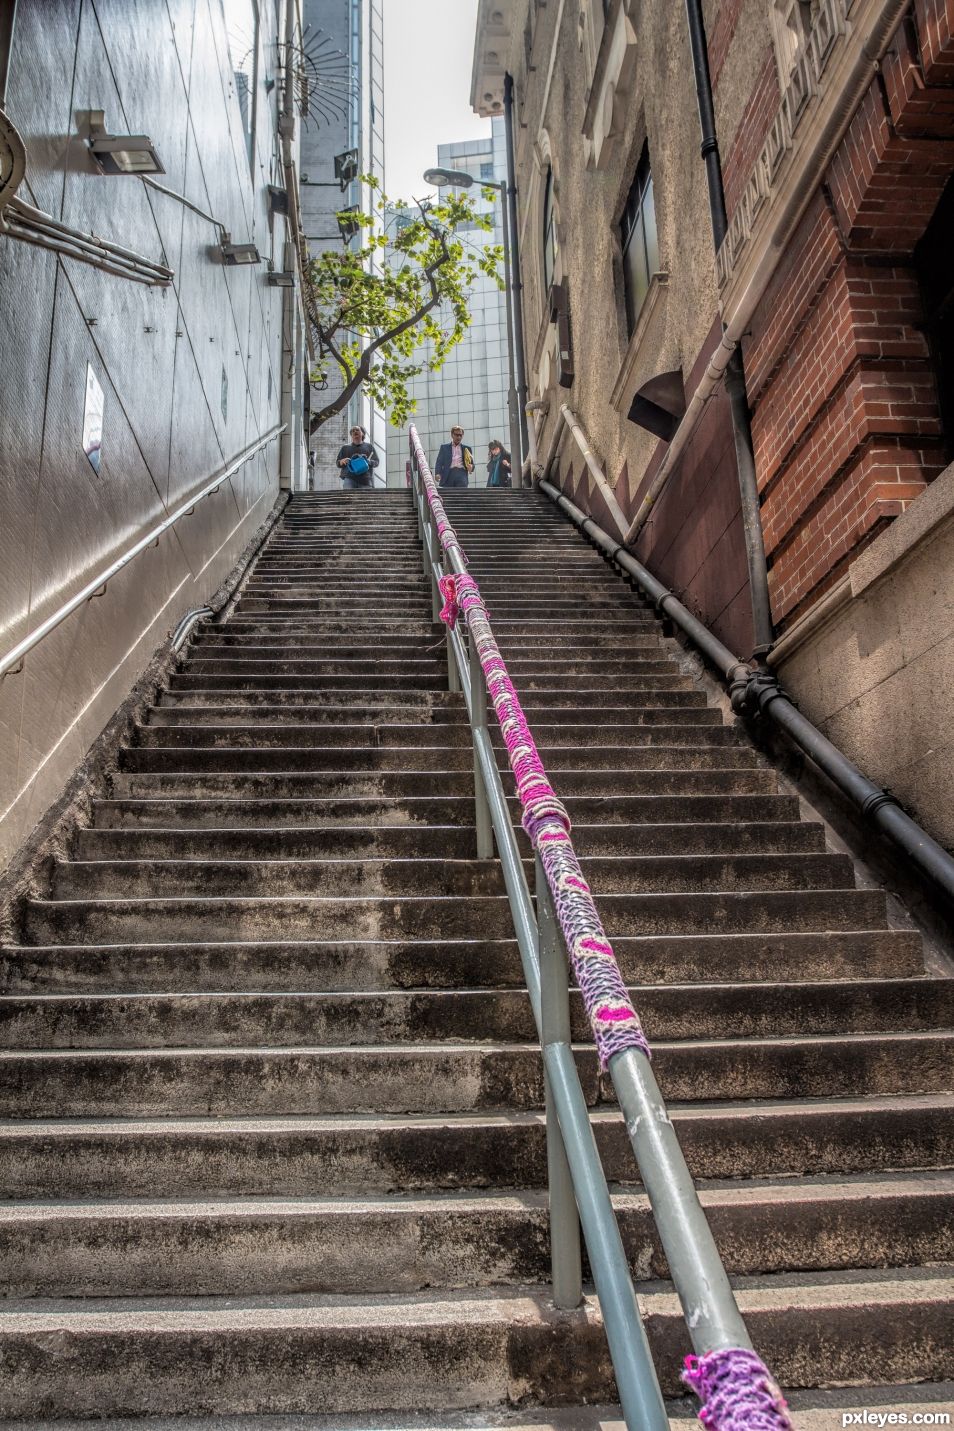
[471, 387]
[343, 35]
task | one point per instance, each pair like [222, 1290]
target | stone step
[112, 1020]
[464, 963]
[327, 1155]
[612, 875]
[388, 811]
[190, 919]
[354, 784]
[274, 1247]
[446, 1077]
[430, 1351]
[453, 755]
[424, 666]
[701, 719]
[579, 705]
[411, 734]
[445, 841]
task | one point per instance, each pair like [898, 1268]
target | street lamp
[447, 178]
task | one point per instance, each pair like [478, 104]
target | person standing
[498, 465]
[455, 461]
[357, 460]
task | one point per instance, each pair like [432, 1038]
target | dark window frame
[639, 240]
[549, 232]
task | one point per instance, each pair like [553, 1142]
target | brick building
[835, 120]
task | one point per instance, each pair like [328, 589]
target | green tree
[372, 309]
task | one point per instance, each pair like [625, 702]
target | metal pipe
[593, 467]
[513, 402]
[876, 30]
[763, 628]
[14, 657]
[695, 1266]
[636, 1381]
[565, 1255]
[184, 629]
[517, 284]
[22, 221]
[478, 721]
[761, 692]
[8, 21]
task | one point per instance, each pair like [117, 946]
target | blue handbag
[358, 466]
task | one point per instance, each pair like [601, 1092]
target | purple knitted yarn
[737, 1391]
[614, 1021]
[450, 610]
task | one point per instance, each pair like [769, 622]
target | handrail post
[565, 1255]
[478, 721]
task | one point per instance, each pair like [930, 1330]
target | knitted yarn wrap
[737, 1391]
[613, 1018]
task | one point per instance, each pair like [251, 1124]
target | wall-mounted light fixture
[348, 224]
[121, 153]
[346, 167]
[237, 253]
[283, 278]
[277, 198]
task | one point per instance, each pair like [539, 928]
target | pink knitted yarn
[737, 1391]
[614, 1021]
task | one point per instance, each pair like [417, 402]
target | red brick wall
[844, 410]
[720, 36]
[754, 125]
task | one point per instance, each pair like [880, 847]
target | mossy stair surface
[272, 1151]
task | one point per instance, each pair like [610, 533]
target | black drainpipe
[516, 288]
[735, 371]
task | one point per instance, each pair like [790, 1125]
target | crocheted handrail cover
[737, 1391]
[614, 1020]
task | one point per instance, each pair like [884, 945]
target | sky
[428, 54]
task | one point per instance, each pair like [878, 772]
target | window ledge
[610, 95]
[622, 393]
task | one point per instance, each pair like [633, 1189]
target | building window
[487, 170]
[638, 240]
[549, 234]
[241, 28]
[791, 27]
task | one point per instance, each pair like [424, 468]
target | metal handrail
[13, 660]
[712, 1316]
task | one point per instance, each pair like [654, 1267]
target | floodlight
[348, 224]
[283, 278]
[238, 253]
[346, 167]
[121, 153]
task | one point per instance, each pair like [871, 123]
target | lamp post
[445, 178]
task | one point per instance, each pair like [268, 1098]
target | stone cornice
[809, 103]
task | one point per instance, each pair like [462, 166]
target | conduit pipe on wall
[757, 692]
[13, 660]
[875, 40]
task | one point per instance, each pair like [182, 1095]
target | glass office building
[342, 33]
[471, 387]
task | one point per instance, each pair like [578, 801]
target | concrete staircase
[271, 1140]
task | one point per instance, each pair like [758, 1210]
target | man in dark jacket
[358, 447]
[455, 461]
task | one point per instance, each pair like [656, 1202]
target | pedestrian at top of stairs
[498, 465]
[455, 461]
[357, 460]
